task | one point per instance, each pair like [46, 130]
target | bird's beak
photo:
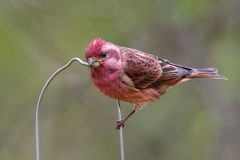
[93, 63]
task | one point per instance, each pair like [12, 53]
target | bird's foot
[120, 123]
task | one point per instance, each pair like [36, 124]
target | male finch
[133, 76]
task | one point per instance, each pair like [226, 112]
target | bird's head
[100, 53]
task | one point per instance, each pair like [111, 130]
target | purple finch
[136, 77]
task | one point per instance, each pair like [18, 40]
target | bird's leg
[120, 123]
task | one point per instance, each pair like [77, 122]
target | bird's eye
[104, 54]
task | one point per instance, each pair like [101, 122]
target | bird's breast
[106, 81]
[111, 85]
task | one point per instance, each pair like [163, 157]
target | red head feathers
[94, 48]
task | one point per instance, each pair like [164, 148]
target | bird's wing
[172, 72]
[140, 69]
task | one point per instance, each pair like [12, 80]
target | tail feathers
[206, 73]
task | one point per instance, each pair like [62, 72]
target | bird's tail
[211, 73]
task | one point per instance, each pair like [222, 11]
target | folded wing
[141, 68]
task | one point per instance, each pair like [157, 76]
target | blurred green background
[197, 120]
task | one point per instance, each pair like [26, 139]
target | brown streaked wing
[172, 72]
[143, 69]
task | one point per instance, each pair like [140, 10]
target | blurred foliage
[196, 120]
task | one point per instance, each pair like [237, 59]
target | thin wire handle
[122, 156]
[41, 95]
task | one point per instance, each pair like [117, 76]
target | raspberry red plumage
[94, 48]
[134, 76]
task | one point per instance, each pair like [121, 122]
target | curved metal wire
[40, 100]
[41, 95]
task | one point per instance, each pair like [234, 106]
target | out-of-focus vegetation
[197, 120]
